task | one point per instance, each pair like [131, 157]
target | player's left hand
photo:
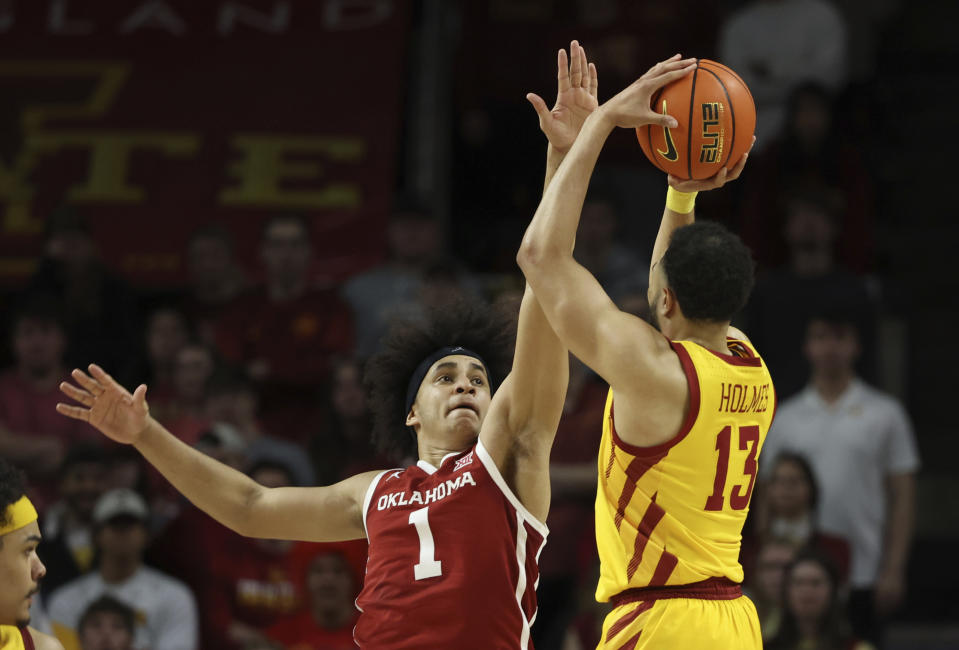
[890, 590]
[721, 178]
[576, 97]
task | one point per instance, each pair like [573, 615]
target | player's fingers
[661, 80]
[575, 65]
[658, 67]
[562, 72]
[77, 394]
[88, 382]
[140, 395]
[585, 65]
[738, 168]
[666, 121]
[74, 412]
[720, 178]
[593, 81]
[105, 379]
[538, 105]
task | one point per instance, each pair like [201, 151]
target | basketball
[716, 116]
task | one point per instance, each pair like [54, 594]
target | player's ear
[411, 418]
[668, 301]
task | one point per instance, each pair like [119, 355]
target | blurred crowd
[267, 377]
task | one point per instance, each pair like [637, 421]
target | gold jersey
[673, 514]
[11, 638]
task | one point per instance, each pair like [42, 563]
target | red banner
[152, 117]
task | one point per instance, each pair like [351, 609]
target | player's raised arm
[525, 414]
[680, 209]
[310, 514]
[617, 345]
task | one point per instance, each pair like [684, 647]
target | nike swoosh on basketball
[670, 154]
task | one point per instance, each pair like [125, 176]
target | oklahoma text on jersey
[452, 558]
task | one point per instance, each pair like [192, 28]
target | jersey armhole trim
[493, 470]
[369, 497]
[660, 450]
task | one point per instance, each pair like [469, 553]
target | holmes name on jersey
[426, 497]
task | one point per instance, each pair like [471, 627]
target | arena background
[150, 119]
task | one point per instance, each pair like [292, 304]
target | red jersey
[452, 558]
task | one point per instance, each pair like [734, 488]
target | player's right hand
[722, 177]
[109, 406]
[631, 107]
[576, 97]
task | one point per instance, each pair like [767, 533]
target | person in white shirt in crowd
[860, 444]
[166, 613]
[775, 45]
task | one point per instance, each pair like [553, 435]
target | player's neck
[434, 455]
[710, 336]
[831, 386]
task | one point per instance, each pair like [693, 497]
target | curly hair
[710, 270]
[468, 324]
[11, 488]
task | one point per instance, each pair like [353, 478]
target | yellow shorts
[683, 623]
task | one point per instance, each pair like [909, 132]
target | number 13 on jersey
[738, 498]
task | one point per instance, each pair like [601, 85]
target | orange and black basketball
[716, 116]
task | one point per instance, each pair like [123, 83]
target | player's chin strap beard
[417, 377]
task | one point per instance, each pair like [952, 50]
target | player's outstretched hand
[722, 177]
[631, 107]
[576, 97]
[109, 406]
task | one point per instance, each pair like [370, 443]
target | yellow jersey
[11, 638]
[673, 514]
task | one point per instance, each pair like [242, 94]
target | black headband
[417, 377]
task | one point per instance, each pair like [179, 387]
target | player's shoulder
[43, 641]
[738, 335]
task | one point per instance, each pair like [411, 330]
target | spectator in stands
[784, 299]
[764, 583]
[188, 540]
[232, 405]
[813, 149]
[167, 331]
[332, 582]
[839, 422]
[343, 445]
[775, 45]
[107, 624]
[251, 584]
[216, 279]
[68, 523]
[166, 612]
[100, 311]
[381, 294]
[812, 612]
[286, 332]
[599, 247]
[184, 415]
[32, 435]
[791, 500]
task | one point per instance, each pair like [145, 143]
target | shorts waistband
[709, 589]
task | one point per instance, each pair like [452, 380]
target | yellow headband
[19, 515]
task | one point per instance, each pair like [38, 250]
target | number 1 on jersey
[428, 566]
[738, 499]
